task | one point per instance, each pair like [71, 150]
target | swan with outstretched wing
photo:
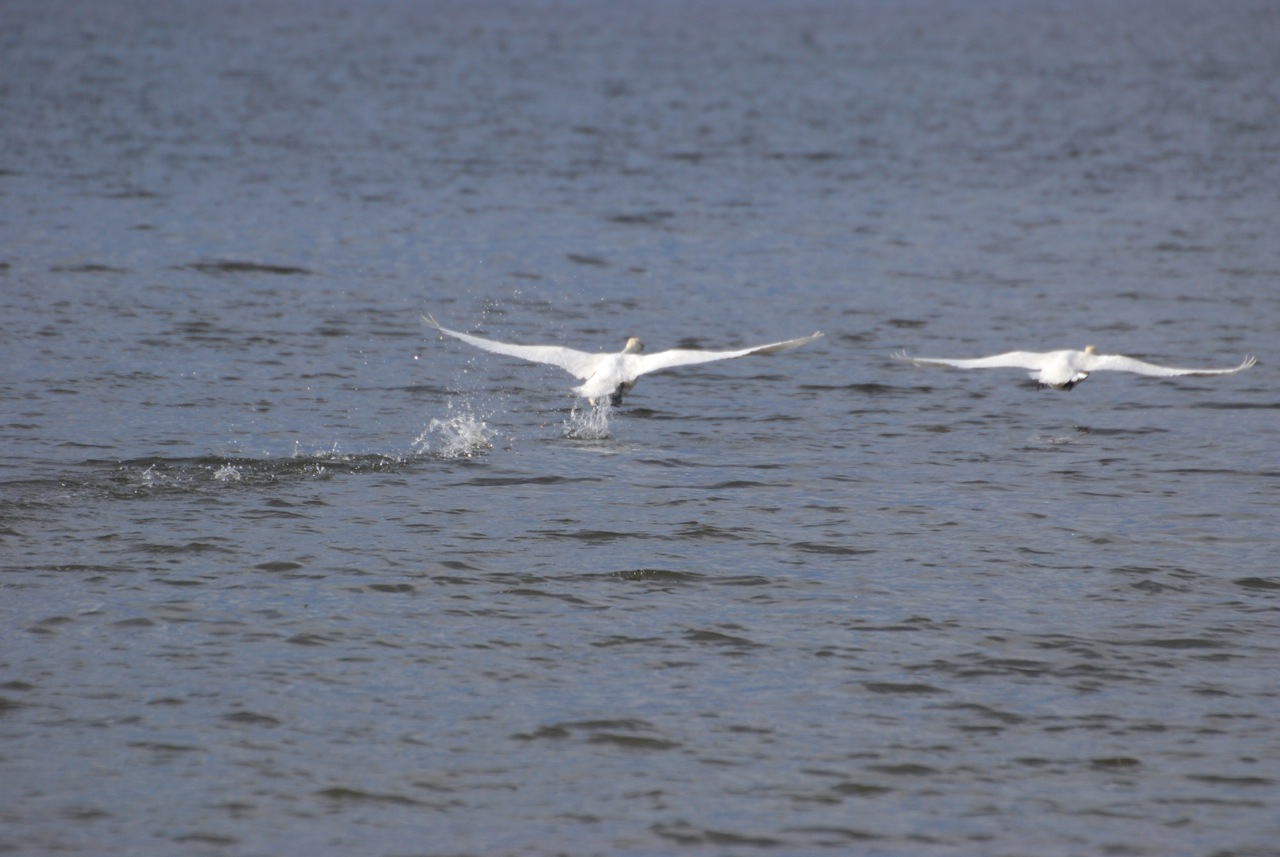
[1062, 370]
[612, 375]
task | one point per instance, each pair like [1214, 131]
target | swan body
[1062, 370]
[612, 374]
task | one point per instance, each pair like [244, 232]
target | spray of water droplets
[460, 435]
[227, 473]
[589, 424]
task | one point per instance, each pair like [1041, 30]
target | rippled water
[284, 574]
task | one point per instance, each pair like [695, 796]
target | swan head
[1089, 349]
[633, 346]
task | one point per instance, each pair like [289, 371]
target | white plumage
[612, 374]
[1062, 370]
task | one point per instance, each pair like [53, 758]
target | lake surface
[283, 572]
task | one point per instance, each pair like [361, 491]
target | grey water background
[284, 574]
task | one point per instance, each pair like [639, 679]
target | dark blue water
[284, 573]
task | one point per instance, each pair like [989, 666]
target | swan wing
[1010, 359]
[1120, 363]
[646, 363]
[580, 364]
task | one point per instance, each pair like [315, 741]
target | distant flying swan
[1062, 370]
[612, 375]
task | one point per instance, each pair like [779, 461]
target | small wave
[147, 477]
[324, 463]
[590, 424]
[462, 435]
[234, 266]
[155, 476]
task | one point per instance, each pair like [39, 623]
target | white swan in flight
[1062, 370]
[612, 375]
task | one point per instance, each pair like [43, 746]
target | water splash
[333, 453]
[154, 477]
[590, 424]
[227, 473]
[461, 435]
